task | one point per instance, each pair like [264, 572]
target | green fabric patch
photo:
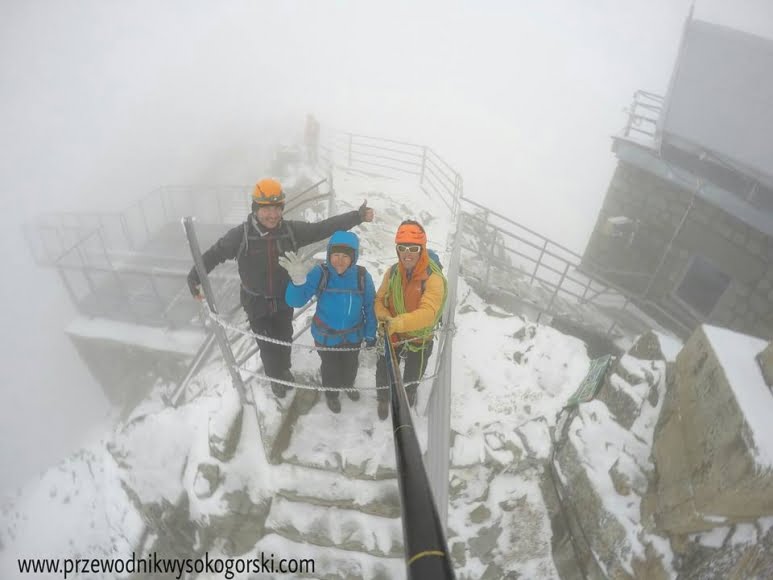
[592, 382]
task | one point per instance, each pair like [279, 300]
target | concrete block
[704, 449]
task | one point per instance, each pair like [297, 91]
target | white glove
[297, 266]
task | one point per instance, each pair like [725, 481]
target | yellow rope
[395, 290]
[426, 553]
[400, 427]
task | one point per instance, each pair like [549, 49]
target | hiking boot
[334, 404]
[411, 397]
[353, 395]
[279, 389]
[383, 409]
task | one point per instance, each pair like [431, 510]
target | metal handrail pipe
[385, 166]
[508, 220]
[448, 204]
[450, 178]
[382, 139]
[300, 203]
[431, 151]
[430, 171]
[542, 247]
[390, 149]
[407, 162]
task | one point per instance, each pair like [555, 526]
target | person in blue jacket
[345, 315]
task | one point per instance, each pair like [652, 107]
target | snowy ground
[502, 380]
[510, 380]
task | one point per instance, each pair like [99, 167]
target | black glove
[194, 283]
[366, 213]
[370, 343]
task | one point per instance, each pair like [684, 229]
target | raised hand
[298, 266]
[366, 213]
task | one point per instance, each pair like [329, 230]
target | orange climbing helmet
[411, 232]
[268, 191]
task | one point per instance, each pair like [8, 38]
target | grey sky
[103, 100]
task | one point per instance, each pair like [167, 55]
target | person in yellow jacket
[410, 299]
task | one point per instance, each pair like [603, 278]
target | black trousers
[415, 365]
[279, 325]
[339, 368]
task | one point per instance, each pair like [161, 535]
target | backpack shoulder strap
[361, 278]
[322, 280]
[245, 242]
[291, 233]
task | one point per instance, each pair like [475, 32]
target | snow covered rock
[765, 360]
[714, 445]
[225, 426]
[739, 551]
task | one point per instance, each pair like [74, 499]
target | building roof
[720, 100]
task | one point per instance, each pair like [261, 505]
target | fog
[102, 101]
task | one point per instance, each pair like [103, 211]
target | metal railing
[398, 159]
[124, 265]
[53, 233]
[553, 279]
[644, 115]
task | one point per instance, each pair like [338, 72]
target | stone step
[326, 489]
[354, 442]
[344, 529]
[333, 563]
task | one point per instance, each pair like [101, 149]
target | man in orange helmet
[410, 300]
[256, 245]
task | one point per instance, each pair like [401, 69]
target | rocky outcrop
[731, 552]
[601, 472]
[705, 454]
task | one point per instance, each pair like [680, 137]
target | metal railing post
[490, 257]
[125, 226]
[587, 289]
[220, 214]
[159, 299]
[539, 262]
[144, 217]
[423, 164]
[555, 292]
[70, 291]
[164, 196]
[439, 427]
[220, 336]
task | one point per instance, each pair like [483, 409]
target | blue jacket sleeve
[297, 296]
[369, 300]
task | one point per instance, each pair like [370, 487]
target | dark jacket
[257, 250]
